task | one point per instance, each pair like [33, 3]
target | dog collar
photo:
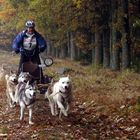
[63, 94]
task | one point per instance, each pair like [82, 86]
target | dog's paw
[31, 123]
[21, 118]
[12, 105]
[53, 114]
[65, 113]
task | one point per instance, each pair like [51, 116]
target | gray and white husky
[26, 99]
[23, 77]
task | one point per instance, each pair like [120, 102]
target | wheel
[48, 61]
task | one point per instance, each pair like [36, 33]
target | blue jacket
[18, 43]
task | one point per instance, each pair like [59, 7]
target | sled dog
[23, 77]
[11, 82]
[27, 96]
[59, 96]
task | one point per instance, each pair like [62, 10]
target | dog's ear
[6, 76]
[21, 72]
[52, 81]
[11, 72]
[2, 67]
[68, 76]
[27, 84]
[16, 72]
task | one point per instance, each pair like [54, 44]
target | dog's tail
[46, 95]
[48, 92]
[52, 81]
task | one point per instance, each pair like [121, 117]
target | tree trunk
[68, 44]
[106, 49]
[57, 52]
[72, 47]
[98, 47]
[63, 52]
[126, 37]
[115, 62]
[116, 58]
[48, 51]
[93, 49]
[106, 34]
[53, 51]
[93, 55]
[78, 54]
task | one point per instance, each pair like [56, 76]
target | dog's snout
[66, 87]
[25, 81]
[15, 80]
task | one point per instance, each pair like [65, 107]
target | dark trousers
[34, 59]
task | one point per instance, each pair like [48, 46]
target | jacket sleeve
[41, 43]
[17, 42]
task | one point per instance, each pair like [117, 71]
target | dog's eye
[68, 82]
[63, 82]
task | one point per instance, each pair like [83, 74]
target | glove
[17, 51]
[41, 49]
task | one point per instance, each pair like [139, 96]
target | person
[29, 43]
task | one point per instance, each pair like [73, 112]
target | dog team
[21, 91]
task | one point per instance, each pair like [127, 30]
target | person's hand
[16, 51]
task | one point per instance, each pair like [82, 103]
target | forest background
[103, 33]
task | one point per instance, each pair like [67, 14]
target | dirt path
[90, 118]
[46, 126]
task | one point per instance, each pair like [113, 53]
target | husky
[27, 96]
[11, 82]
[23, 77]
[59, 96]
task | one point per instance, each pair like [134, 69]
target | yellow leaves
[77, 3]
[6, 11]
[7, 14]
[2, 1]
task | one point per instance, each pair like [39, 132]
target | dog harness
[65, 95]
